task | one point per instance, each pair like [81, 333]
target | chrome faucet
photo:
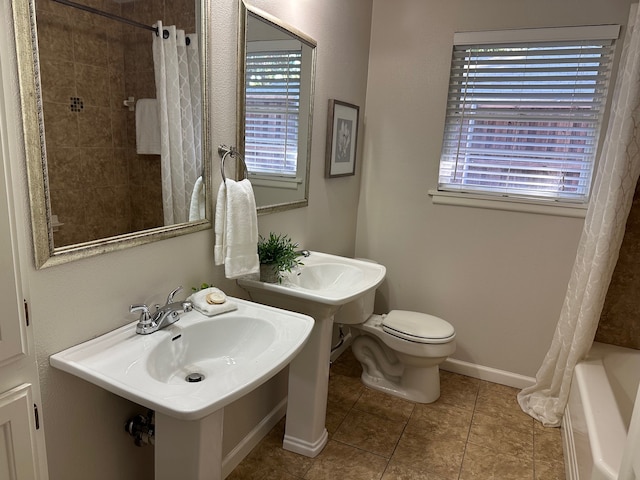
[303, 253]
[162, 317]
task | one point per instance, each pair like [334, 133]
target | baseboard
[487, 373]
[569, 448]
[242, 449]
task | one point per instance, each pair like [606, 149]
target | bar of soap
[215, 298]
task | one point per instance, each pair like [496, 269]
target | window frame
[489, 198]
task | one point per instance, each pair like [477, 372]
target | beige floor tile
[439, 419]
[496, 418]
[398, 471]
[370, 432]
[259, 472]
[340, 461]
[269, 455]
[336, 414]
[347, 365]
[549, 470]
[458, 390]
[500, 402]
[483, 464]
[538, 427]
[548, 447]
[384, 405]
[475, 431]
[499, 438]
[344, 391]
[438, 454]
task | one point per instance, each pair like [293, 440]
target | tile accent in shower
[76, 104]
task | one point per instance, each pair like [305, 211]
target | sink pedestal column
[189, 449]
[305, 431]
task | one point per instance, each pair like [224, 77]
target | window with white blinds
[523, 118]
[272, 107]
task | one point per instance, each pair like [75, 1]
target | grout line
[466, 443]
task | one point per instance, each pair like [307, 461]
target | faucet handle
[145, 314]
[172, 294]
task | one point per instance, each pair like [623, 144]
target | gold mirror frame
[45, 253]
[245, 10]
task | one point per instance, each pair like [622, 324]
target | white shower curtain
[599, 245]
[177, 76]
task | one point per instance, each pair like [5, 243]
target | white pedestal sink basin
[234, 352]
[318, 288]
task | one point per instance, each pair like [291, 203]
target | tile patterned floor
[475, 431]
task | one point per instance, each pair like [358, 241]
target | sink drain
[194, 377]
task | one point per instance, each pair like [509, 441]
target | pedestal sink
[318, 288]
[228, 355]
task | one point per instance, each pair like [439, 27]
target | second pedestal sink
[318, 288]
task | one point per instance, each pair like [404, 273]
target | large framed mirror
[276, 77]
[115, 112]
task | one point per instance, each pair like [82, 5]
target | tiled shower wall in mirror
[99, 185]
[620, 319]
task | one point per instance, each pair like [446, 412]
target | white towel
[236, 229]
[199, 301]
[196, 207]
[147, 127]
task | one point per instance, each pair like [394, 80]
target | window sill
[290, 183]
[508, 204]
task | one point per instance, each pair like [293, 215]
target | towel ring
[224, 152]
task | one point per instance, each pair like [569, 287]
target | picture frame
[342, 139]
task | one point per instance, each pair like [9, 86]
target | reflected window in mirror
[275, 109]
[272, 107]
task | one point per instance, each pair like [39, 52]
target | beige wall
[80, 300]
[498, 277]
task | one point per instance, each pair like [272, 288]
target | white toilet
[401, 351]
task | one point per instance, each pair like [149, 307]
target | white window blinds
[523, 119]
[272, 111]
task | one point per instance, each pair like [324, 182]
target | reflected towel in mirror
[196, 207]
[236, 229]
[147, 127]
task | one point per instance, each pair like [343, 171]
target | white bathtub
[596, 420]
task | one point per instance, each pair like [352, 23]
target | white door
[21, 438]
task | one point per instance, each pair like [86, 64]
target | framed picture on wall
[342, 139]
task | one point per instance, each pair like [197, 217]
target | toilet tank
[359, 310]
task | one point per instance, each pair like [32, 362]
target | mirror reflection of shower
[98, 77]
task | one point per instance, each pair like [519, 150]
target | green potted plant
[277, 255]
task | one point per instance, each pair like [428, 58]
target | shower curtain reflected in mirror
[177, 76]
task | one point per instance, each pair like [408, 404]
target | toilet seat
[417, 327]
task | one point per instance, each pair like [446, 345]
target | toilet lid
[418, 327]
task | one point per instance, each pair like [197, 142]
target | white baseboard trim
[487, 373]
[569, 448]
[242, 449]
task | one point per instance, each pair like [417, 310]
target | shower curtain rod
[165, 33]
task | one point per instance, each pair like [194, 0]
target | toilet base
[428, 379]
[414, 379]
